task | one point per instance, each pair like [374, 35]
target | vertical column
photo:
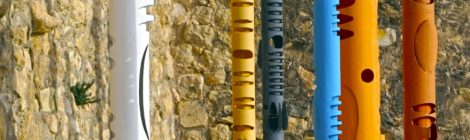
[360, 91]
[327, 68]
[243, 67]
[3, 123]
[271, 60]
[129, 75]
[419, 64]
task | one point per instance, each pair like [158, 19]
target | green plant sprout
[80, 94]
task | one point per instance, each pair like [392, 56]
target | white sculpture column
[130, 72]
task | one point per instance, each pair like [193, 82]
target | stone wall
[191, 63]
[47, 46]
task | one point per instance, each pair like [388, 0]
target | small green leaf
[79, 92]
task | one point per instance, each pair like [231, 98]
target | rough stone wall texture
[47, 46]
[191, 63]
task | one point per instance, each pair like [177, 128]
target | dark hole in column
[345, 3]
[425, 122]
[344, 18]
[243, 29]
[344, 34]
[273, 117]
[242, 4]
[431, 106]
[367, 75]
[243, 127]
[242, 54]
[276, 42]
[425, 1]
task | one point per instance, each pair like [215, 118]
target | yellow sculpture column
[243, 70]
[360, 89]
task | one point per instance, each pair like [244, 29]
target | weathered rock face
[190, 70]
[191, 64]
[47, 46]
[2, 123]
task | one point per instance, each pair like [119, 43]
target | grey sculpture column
[271, 60]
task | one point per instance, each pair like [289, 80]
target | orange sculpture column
[360, 79]
[419, 63]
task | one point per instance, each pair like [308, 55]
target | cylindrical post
[271, 60]
[243, 70]
[360, 89]
[327, 68]
[129, 76]
[419, 63]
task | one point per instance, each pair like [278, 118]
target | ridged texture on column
[419, 64]
[327, 68]
[243, 67]
[271, 60]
